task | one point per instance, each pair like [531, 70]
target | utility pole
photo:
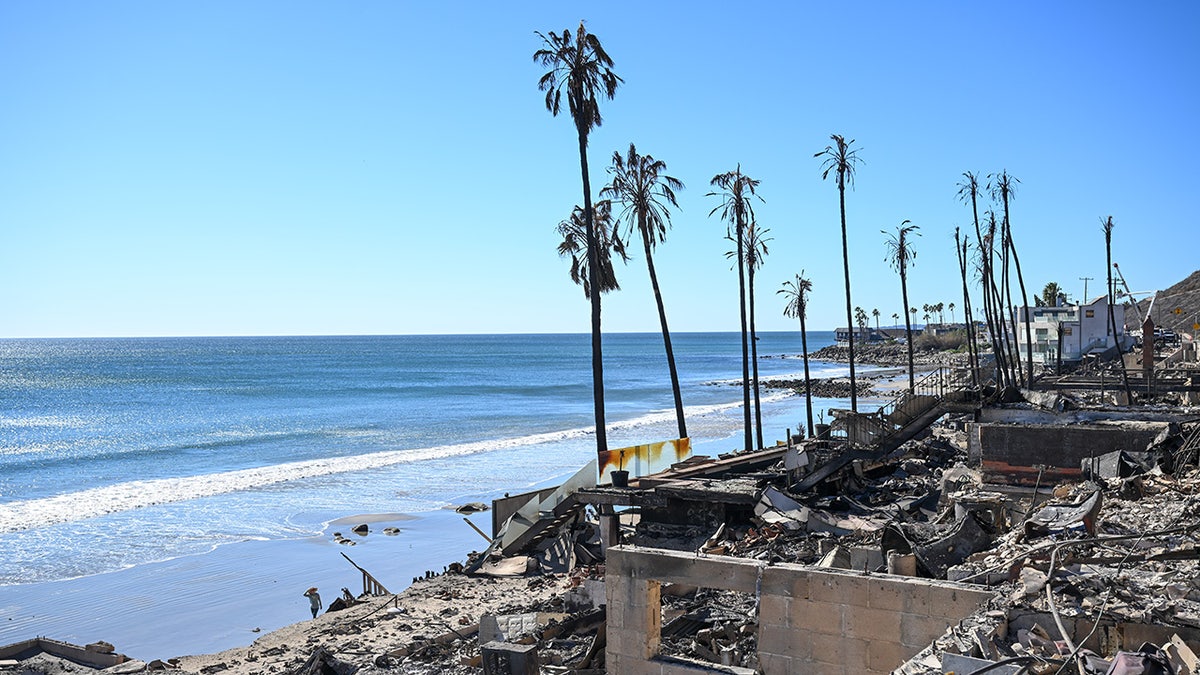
[1085, 280]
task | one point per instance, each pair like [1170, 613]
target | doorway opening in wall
[709, 626]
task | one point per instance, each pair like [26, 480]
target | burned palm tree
[580, 66]
[574, 246]
[841, 161]
[796, 293]
[640, 184]
[968, 191]
[901, 254]
[1005, 188]
[754, 249]
[961, 248]
[737, 192]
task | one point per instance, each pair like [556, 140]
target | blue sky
[266, 168]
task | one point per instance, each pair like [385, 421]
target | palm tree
[940, 308]
[736, 207]
[1005, 188]
[900, 254]
[645, 192]
[796, 293]
[960, 249]
[968, 190]
[895, 318]
[951, 306]
[1107, 226]
[861, 320]
[574, 246]
[756, 250]
[841, 160]
[875, 313]
[584, 69]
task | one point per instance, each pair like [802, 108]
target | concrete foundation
[1012, 453]
[810, 620]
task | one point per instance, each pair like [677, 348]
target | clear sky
[269, 168]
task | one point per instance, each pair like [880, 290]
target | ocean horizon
[132, 463]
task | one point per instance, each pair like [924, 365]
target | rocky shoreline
[890, 354]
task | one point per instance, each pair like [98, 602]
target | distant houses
[1069, 333]
[842, 335]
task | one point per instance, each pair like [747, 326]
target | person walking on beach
[314, 600]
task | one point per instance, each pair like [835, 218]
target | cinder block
[956, 603]
[849, 653]
[838, 588]
[791, 583]
[816, 617]
[773, 610]
[869, 624]
[919, 630]
[884, 657]
[886, 594]
[785, 642]
[916, 600]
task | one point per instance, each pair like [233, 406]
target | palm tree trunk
[907, 328]
[986, 284]
[662, 321]
[1028, 319]
[972, 348]
[849, 312]
[749, 439]
[758, 435]
[807, 380]
[593, 266]
[1011, 322]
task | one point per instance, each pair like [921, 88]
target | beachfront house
[1071, 332]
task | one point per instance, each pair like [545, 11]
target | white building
[1071, 331]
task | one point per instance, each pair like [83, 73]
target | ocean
[192, 480]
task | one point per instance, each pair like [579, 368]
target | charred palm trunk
[593, 282]
[807, 380]
[662, 321]
[1024, 297]
[846, 269]
[907, 328]
[748, 435]
[758, 434]
[1010, 324]
[960, 249]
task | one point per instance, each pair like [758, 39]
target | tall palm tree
[968, 190]
[756, 250]
[960, 249]
[1005, 187]
[951, 308]
[875, 313]
[840, 160]
[641, 186]
[1107, 226]
[796, 293]
[736, 192]
[901, 254]
[895, 318]
[574, 232]
[584, 70]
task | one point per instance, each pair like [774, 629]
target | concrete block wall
[811, 620]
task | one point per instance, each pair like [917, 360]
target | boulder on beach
[361, 530]
[473, 507]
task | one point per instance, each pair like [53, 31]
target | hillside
[1184, 295]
